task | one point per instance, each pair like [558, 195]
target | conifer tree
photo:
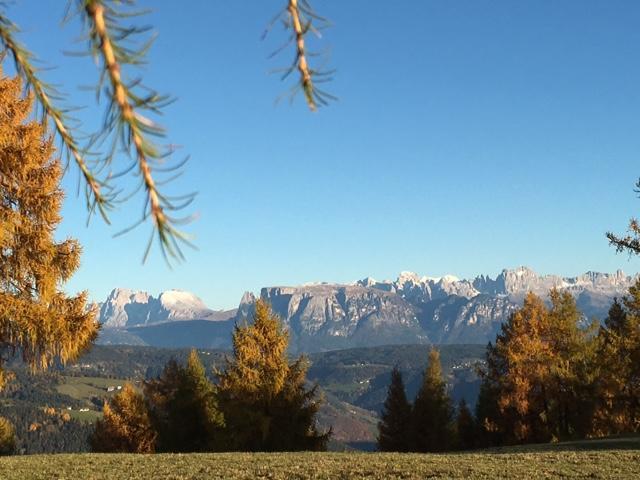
[518, 366]
[184, 408]
[393, 428]
[263, 397]
[610, 416]
[539, 375]
[466, 431]
[570, 382]
[492, 424]
[619, 356]
[630, 351]
[125, 426]
[37, 319]
[432, 414]
[7, 437]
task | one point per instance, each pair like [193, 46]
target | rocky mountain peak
[410, 309]
[129, 308]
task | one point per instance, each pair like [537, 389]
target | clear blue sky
[469, 136]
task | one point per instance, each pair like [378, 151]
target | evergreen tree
[629, 350]
[263, 397]
[393, 428]
[517, 369]
[125, 426]
[466, 431]
[184, 408]
[7, 437]
[569, 386]
[539, 378]
[619, 356]
[491, 423]
[432, 414]
[37, 318]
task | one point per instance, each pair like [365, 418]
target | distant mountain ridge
[324, 316]
[125, 308]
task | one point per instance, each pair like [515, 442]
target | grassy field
[617, 459]
[83, 388]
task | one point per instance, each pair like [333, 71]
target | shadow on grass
[627, 442]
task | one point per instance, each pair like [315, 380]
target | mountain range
[324, 316]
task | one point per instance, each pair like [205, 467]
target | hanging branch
[301, 59]
[110, 41]
[298, 18]
[631, 241]
[98, 194]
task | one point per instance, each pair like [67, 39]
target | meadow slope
[554, 463]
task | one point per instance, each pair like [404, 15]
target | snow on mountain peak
[181, 299]
[406, 276]
[126, 308]
[449, 279]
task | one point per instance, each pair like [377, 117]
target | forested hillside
[354, 383]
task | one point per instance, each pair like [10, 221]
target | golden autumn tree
[537, 384]
[125, 426]
[37, 319]
[517, 367]
[263, 395]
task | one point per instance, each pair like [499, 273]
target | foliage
[395, 420]
[539, 383]
[466, 431]
[125, 426]
[488, 417]
[618, 409]
[630, 242]
[361, 375]
[432, 414]
[184, 408]
[263, 397]
[298, 18]
[40, 430]
[7, 437]
[37, 319]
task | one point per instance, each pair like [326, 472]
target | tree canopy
[125, 426]
[432, 417]
[395, 419]
[38, 320]
[263, 395]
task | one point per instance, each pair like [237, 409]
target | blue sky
[469, 136]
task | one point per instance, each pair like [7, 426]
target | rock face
[419, 309]
[125, 308]
[410, 309]
[321, 317]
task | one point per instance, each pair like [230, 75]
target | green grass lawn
[83, 388]
[611, 459]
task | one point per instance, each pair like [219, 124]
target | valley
[353, 383]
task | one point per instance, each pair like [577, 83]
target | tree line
[547, 378]
[260, 402]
